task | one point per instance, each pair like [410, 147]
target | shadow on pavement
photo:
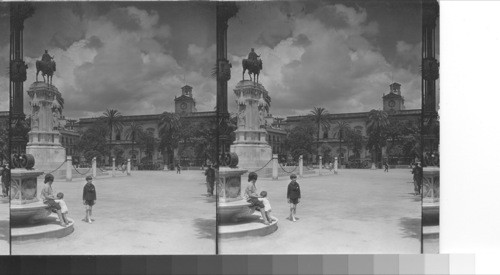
[4, 230]
[411, 227]
[205, 228]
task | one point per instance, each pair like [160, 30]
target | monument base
[48, 228]
[250, 225]
[48, 158]
[253, 155]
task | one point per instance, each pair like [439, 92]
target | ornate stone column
[44, 138]
[19, 12]
[251, 137]
[224, 11]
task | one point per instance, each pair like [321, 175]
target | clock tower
[185, 103]
[393, 101]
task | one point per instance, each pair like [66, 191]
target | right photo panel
[320, 127]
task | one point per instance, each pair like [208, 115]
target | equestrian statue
[253, 64]
[47, 66]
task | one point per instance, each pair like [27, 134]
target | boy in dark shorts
[293, 196]
[89, 197]
[48, 198]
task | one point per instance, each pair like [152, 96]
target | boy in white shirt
[64, 207]
[267, 205]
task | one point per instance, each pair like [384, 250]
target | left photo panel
[112, 128]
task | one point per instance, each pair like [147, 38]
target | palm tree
[343, 128]
[168, 127]
[320, 118]
[112, 119]
[376, 129]
[134, 133]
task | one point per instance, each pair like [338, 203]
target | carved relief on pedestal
[241, 116]
[261, 117]
[35, 119]
[55, 119]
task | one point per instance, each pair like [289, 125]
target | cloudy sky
[340, 56]
[135, 57]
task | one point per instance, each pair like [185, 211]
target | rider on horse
[253, 56]
[47, 66]
[46, 57]
[253, 64]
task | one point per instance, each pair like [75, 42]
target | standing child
[89, 197]
[267, 206]
[386, 167]
[293, 196]
[64, 207]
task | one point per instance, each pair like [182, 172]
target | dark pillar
[224, 11]
[18, 129]
[430, 74]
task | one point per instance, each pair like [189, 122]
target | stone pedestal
[44, 138]
[430, 196]
[430, 209]
[251, 136]
[23, 189]
[30, 218]
[235, 218]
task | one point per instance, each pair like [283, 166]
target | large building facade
[123, 147]
[332, 141]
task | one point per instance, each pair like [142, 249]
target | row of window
[118, 135]
[358, 129]
[68, 140]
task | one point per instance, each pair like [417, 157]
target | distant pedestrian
[386, 167]
[293, 196]
[210, 177]
[89, 198]
[417, 172]
[5, 172]
[178, 168]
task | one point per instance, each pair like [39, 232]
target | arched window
[325, 134]
[118, 136]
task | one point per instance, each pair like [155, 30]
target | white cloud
[338, 67]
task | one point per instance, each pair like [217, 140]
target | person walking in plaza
[293, 196]
[5, 173]
[210, 176]
[48, 198]
[252, 197]
[178, 168]
[386, 166]
[89, 198]
[417, 172]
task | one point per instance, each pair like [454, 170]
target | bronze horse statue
[47, 68]
[254, 67]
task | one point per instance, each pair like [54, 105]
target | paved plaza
[150, 212]
[4, 229]
[354, 212]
